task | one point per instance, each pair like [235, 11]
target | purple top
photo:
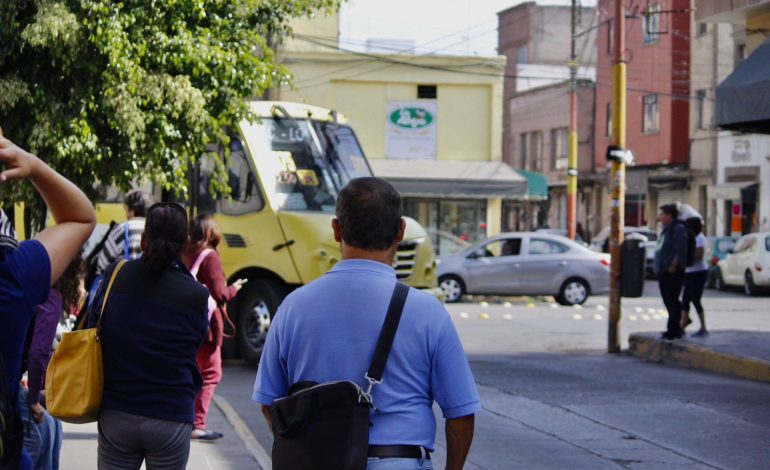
[46, 319]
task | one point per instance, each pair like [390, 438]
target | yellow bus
[284, 171]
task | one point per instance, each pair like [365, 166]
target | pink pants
[210, 365]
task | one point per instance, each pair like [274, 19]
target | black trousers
[670, 288]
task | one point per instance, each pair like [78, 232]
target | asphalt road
[554, 399]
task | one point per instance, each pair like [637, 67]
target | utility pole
[618, 173]
[572, 143]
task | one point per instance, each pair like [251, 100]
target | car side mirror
[729, 251]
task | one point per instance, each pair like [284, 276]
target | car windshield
[308, 162]
[767, 243]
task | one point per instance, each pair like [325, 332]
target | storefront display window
[464, 219]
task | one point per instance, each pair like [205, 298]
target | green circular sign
[411, 118]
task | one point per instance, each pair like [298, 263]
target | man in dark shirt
[670, 261]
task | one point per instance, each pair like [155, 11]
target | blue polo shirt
[328, 329]
[25, 279]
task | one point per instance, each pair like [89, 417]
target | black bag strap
[387, 333]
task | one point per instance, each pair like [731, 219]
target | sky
[466, 27]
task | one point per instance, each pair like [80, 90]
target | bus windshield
[308, 162]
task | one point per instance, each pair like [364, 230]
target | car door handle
[562, 263]
[515, 265]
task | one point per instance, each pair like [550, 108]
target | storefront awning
[537, 185]
[452, 178]
[743, 98]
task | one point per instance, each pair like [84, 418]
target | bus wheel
[256, 308]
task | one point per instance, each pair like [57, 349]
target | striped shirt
[114, 246]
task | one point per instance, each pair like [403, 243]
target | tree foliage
[109, 91]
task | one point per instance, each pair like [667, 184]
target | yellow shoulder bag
[74, 380]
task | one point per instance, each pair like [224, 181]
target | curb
[687, 354]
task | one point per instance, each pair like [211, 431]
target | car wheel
[720, 281]
[748, 285]
[453, 288]
[573, 292]
[256, 308]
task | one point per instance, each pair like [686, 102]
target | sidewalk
[236, 450]
[744, 354]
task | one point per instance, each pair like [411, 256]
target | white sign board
[411, 129]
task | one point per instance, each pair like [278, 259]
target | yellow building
[429, 124]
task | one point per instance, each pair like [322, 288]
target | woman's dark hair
[204, 233]
[69, 284]
[165, 235]
[369, 213]
[695, 224]
[139, 202]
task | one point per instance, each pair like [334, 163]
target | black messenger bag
[326, 426]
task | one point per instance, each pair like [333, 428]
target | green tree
[110, 90]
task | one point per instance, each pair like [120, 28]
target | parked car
[716, 250]
[601, 243]
[748, 265]
[563, 232]
[525, 263]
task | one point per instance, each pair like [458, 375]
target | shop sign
[411, 129]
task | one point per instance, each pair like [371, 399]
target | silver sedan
[525, 263]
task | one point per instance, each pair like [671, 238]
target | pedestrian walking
[695, 279]
[202, 258]
[327, 330]
[155, 318]
[27, 272]
[669, 264]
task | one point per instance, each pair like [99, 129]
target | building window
[635, 210]
[609, 120]
[522, 54]
[703, 29]
[700, 118]
[610, 35]
[740, 54]
[535, 150]
[651, 24]
[650, 117]
[524, 149]
[426, 92]
[559, 148]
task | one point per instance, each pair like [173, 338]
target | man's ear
[401, 230]
[337, 230]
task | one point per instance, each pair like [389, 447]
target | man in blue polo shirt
[327, 330]
[27, 272]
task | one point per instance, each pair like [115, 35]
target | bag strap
[199, 260]
[388, 332]
[107, 294]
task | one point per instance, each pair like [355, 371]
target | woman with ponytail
[203, 260]
[155, 318]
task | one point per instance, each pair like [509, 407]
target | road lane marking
[577, 316]
[484, 316]
[252, 444]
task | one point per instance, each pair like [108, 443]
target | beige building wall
[309, 32]
[469, 105]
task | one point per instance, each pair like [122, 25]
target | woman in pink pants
[203, 260]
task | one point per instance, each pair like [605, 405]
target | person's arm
[459, 435]
[268, 416]
[212, 275]
[74, 215]
[679, 244]
[44, 331]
